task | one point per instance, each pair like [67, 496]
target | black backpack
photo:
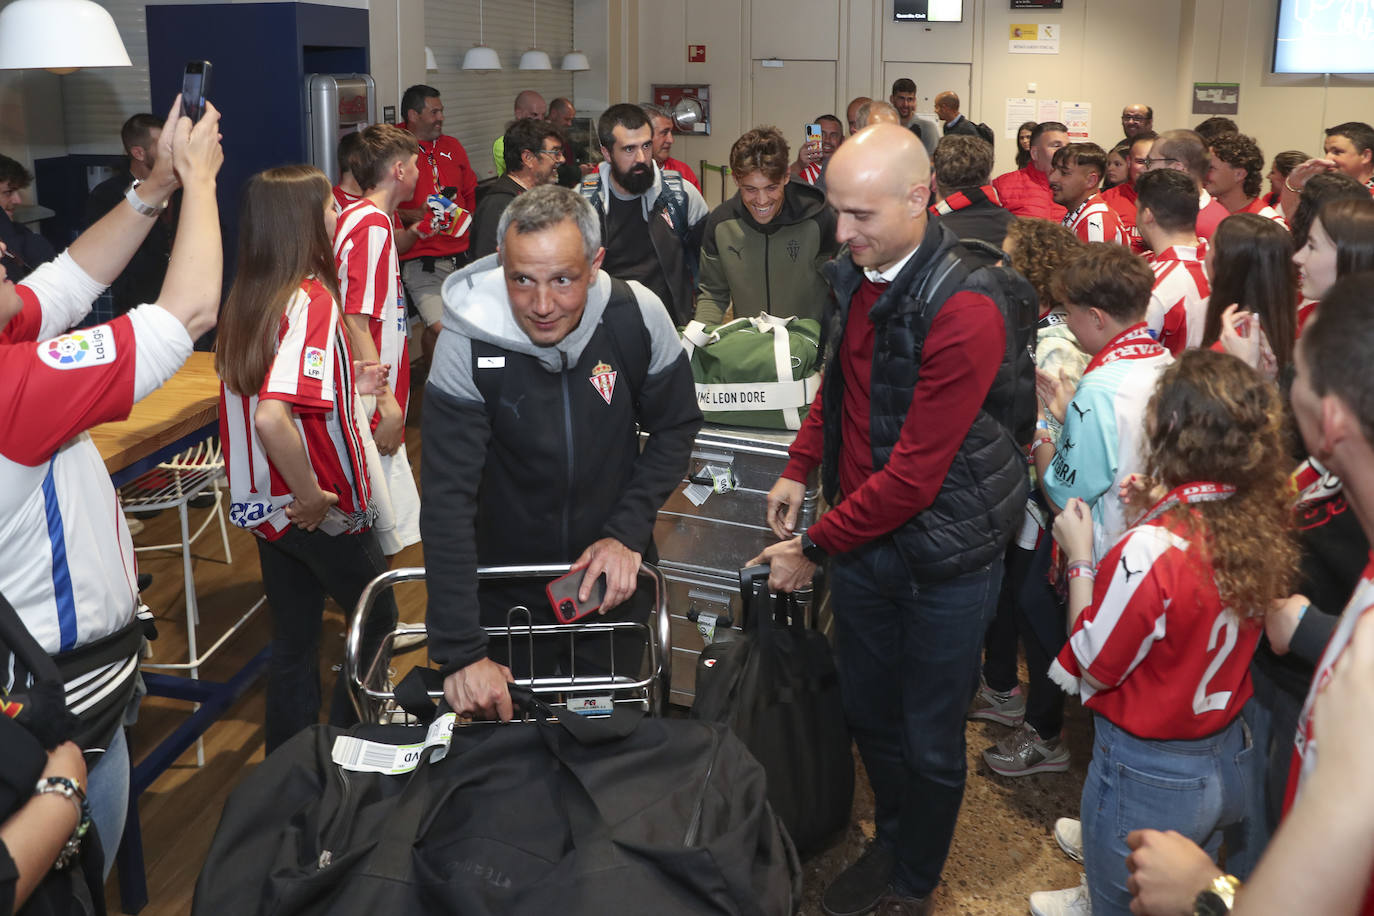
[1011, 400]
[985, 132]
[776, 686]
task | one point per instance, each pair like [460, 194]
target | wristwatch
[137, 203]
[811, 550]
[1217, 898]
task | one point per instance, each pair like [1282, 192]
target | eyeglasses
[1134, 117]
[551, 153]
[1147, 162]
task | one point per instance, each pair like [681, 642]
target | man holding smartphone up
[547, 371]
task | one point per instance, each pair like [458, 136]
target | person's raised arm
[191, 290]
[104, 250]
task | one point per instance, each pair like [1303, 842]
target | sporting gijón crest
[603, 380]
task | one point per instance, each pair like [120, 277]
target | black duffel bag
[776, 687]
[648, 815]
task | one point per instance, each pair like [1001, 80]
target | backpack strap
[635, 352]
[674, 199]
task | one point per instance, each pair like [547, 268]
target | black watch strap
[811, 550]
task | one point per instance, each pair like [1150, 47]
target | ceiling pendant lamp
[535, 59]
[576, 60]
[479, 56]
[59, 35]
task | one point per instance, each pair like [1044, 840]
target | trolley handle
[660, 654]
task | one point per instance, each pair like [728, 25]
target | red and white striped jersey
[370, 284]
[1175, 662]
[1260, 208]
[1095, 221]
[1178, 301]
[1122, 199]
[1210, 213]
[811, 172]
[313, 373]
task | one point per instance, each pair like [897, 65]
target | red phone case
[562, 594]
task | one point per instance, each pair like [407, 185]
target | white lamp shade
[534, 59]
[59, 35]
[576, 60]
[481, 57]
[430, 62]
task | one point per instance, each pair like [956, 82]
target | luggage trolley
[372, 696]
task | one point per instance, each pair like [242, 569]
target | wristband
[71, 790]
[1290, 187]
[1081, 568]
[137, 203]
[1042, 424]
[1042, 440]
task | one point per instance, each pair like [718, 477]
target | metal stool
[173, 484]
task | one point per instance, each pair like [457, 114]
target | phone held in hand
[813, 136]
[562, 594]
[195, 86]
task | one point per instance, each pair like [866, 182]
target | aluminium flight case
[702, 548]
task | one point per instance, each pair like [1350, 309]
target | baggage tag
[722, 481]
[601, 705]
[361, 756]
[706, 626]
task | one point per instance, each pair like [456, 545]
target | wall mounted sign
[1029, 38]
[1216, 98]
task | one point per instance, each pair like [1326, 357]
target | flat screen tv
[1324, 36]
[928, 10]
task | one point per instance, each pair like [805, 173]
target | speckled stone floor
[1003, 848]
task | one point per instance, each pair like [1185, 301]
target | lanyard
[1133, 343]
[1200, 492]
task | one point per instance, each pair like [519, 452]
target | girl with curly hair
[1162, 631]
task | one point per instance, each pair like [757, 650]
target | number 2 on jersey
[1213, 702]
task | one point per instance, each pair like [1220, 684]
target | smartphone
[813, 134]
[195, 86]
[562, 594]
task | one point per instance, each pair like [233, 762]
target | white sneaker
[1068, 833]
[1072, 901]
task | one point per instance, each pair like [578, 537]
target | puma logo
[738, 253]
[1128, 571]
[513, 405]
[1081, 413]
[448, 156]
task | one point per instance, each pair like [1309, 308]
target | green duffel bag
[759, 371]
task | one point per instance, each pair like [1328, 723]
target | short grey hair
[655, 111]
[545, 207]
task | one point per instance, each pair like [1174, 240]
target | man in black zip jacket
[546, 372]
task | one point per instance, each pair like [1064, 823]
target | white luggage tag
[362, 756]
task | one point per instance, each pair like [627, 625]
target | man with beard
[141, 281]
[651, 220]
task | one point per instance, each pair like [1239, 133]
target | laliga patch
[603, 380]
[314, 362]
[80, 349]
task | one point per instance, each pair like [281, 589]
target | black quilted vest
[981, 501]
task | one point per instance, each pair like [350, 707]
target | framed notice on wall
[1037, 4]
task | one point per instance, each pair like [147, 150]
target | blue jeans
[1196, 787]
[107, 789]
[908, 656]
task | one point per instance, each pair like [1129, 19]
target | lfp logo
[81, 349]
[68, 349]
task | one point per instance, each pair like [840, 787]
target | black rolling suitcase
[776, 687]
[617, 815]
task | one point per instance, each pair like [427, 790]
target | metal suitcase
[702, 547]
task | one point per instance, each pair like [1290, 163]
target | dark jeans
[299, 570]
[908, 660]
[1272, 715]
[1028, 599]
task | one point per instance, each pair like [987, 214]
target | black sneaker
[857, 889]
